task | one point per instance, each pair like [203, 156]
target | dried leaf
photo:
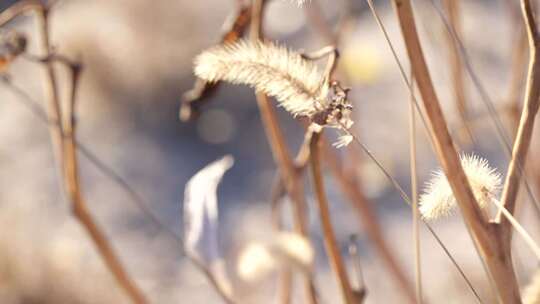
[201, 211]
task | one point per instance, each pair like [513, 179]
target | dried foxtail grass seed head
[259, 259]
[438, 200]
[276, 71]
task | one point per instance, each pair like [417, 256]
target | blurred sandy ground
[138, 58]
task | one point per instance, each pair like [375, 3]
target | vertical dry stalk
[36, 109]
[289, 175]
[492, 111]
[519, 58]
[414, 196]
[233, 30]
[64, 147]
[518, 45]
[456, 66]
[350, 187]
[524, 134]
[288, 172]
[495, 255]
[348, 182]
[49, 86]
[330, 241]
[285, 276]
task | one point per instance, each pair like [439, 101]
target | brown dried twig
[62, 133]
[80, 210]
[348, 182]
[414, 197]
[456, 67]
[488, 102]
[519, 61]
[94, 160]
[293, 183]
[234, 29]
[524, 134]
[330, 241]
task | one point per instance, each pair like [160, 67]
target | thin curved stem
[530, 109]
[494, 253]
[137, 199]
[330, 241]
[293, 184]
[414, 195]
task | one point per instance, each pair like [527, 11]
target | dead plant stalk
[287, 170]
[68, 154]
[62, 134]
[414, 197]
[330, 241]
[494, 251]
[526, 124]
[347, 179]
[456, 67]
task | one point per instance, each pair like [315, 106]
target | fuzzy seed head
[438, 199]
[255, 262]
[293, 249]
[259, 259]
[273, 70]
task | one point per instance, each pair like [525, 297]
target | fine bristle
[438, 199]
[274, 70]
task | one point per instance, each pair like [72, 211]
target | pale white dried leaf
[201, 211]
[271, 69]
[438, 199]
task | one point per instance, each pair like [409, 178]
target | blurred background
[137, 59]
